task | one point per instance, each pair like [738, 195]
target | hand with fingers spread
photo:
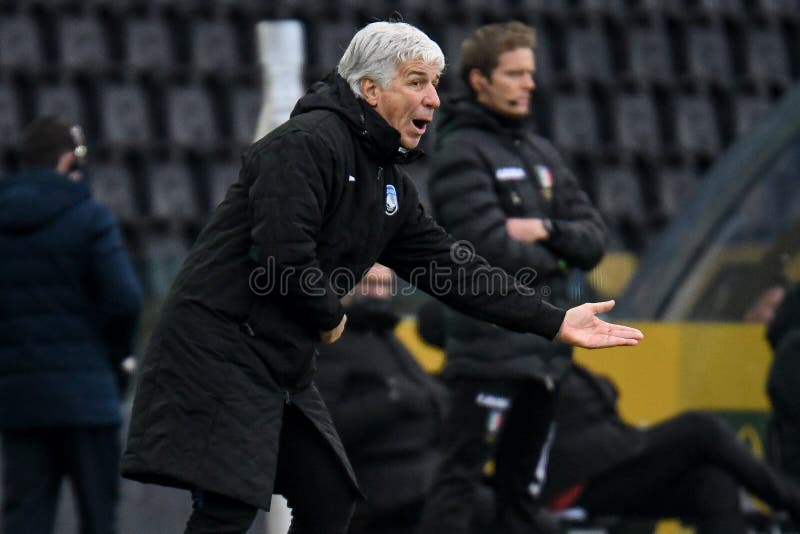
[582, 328]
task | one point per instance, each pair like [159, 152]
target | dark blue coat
[69, 302]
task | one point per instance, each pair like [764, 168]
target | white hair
[376, 51]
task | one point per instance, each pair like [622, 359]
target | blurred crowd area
[641, 96]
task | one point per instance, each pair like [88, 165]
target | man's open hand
[329, 336]
[582, 328]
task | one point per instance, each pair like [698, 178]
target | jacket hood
[462, 111]
[379, 138]
[34, 198]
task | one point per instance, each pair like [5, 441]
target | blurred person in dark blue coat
[69, 304]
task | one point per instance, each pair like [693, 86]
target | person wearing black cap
[69, 304]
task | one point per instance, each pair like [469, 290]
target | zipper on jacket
[286, 397]
[378, 191]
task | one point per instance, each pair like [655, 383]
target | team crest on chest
[391, 200]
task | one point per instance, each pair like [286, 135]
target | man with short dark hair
[497, 185]
[69, 304]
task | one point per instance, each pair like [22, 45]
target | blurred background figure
[783, 385]
[508, 192]
[690, 466]
[388, 411]
[69, 305]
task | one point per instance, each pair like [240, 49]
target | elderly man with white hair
[226, 405]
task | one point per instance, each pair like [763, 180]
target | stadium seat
[650, 55]
[711, 9]
[172, 194]
[221, 176]
[574, 123]
[696, 125]
[191, 122]
[620, 201]
[125, 117]
[148, 45]
[637, 124]
[708, 58]
[749, 111]
[214, 49]
[767, 57]
[164, 253]
[330, 41]
[10, 120]
[246, 107]
[588, 55]
[20, 46]
[82, 44]
[112, 185]
[61, 100]
[545, 70]
[673, 186]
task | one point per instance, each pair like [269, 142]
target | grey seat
[650, 54]
[588, 55]
[61, 100]
[220, 178]
[673, 186]
[214, 48]
[172, 195]
[246, 107]
[148, 47]
[620, 201]
[637, 124]
[190, 118]
[20, 45]
[696, 125]
[125, 117]
[82, 44]
[767, 57]
[749, 111]
[112, 185]
[575, 123]
[708, 56]
[10, 120]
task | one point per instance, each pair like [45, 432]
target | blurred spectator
[505, 190]
[69, 303]
[783, 383]
[689, 467]
[387, 410]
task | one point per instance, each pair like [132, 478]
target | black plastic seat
[61, 100]
[125, 117]
[172, 195]
[674, 185]
[650, 55]
[112, 185]
[191, 122]
[329, 43]
[696, 126]
[214, 49]
[82, 44]
[148, 45]
[10, 120]
[767, 57]
[588, 55]
[749, 112]
[246, 108]
[20, 46]
[708, 58]
[575, 123]
[637, 124]
[620, 201]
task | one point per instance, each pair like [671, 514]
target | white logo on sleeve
[351, 178]
[391, 200]
[505, 174]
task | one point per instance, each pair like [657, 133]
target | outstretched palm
[582, 328]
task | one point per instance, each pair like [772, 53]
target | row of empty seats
[653, 52]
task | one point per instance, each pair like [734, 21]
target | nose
[431, 98]
[530, 83]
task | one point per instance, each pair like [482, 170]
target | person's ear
[65, 163]
[369, 88]
[478, 80]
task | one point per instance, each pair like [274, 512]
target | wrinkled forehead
[418, 67]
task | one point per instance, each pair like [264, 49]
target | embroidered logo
[545, 181]
[391, 200]
[505, 174]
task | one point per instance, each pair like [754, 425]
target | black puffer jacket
[318, 201]
[487, 168]
[388, 411]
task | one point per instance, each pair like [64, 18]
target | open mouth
[420, 124]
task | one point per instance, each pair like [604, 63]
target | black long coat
[317, 202]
